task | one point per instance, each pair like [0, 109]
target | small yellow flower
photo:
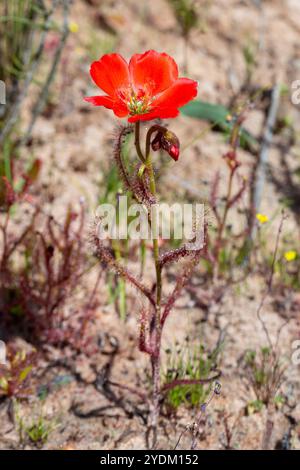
[262, 219]
[290, 255]
[73, 27]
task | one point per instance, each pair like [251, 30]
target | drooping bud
[168, 141]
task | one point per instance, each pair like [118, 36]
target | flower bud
[231, 160]
[168, 141]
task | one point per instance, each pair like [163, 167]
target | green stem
[155, 356]
[121, 282]
[154, 228]
[228, 198]
[155, 359]
[223, 224]
[137, 142]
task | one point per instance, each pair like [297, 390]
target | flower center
[137, 102]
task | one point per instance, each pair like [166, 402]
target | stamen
[137, 102]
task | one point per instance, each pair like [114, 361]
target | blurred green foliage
[220, 117]
[189, 363]
[186, 15]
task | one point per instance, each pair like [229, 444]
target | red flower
[147, 88]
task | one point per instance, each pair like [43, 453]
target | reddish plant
[232, 198]
[51, 262]
[14, 375]
[149, 88]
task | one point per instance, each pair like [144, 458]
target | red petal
[178, 94]
[120, 109]
[110, 73]
[117, 106]
[163, 113]
[106, 101]
[156, 70]
[165, 106]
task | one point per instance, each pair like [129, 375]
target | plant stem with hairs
[157, 330]
[153, 315]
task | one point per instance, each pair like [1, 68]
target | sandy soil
[74, 144]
